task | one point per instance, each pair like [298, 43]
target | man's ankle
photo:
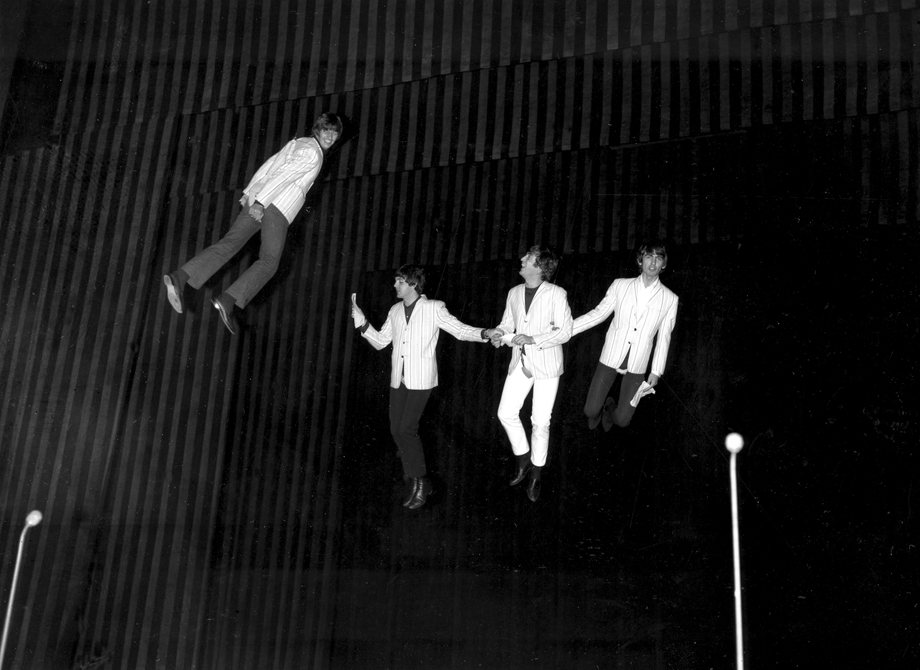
[227, 301]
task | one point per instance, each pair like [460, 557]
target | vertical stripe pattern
[189, 479]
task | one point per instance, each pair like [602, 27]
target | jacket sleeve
[664, 340]
[265, 168]
[507, 324]
[451, 324]
[597, 315]
[380, 338]
[560, 330]
[300, 163]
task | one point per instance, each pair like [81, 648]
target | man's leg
[517, 386]
[274, 233]
[406, 407]
[624, 411]
[204, 265]
[544, 397]
[603, 379]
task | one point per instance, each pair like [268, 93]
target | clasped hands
[495, 336]
[255, 208]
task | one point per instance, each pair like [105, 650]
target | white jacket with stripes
[548, 322]
[415, 342]
[631, 324]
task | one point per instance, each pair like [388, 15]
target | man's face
[327, 137]
[652, 264]
[529, 267]
[403, 290]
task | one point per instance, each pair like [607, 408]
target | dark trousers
[406, 407]
[604, 377]
[274, 230]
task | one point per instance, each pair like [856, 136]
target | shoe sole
[223, 315]
[173, 294]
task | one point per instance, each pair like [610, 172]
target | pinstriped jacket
[628, 323]
[414, 343]
[284, 179]
[548, 322]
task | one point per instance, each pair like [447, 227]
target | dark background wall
[199, 489]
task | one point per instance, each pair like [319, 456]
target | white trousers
[517, 386]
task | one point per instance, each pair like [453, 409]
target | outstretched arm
[451, 324]
[597, 315]
[378, 339]
[664, 341]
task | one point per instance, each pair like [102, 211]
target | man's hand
[495, 337]
[522, 339]
[356, 313]
[256, 210]
[652, 379]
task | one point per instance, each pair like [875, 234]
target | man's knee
[622, 419]
[541, 428]
[271, 261]
[399, 432]
[506, 415]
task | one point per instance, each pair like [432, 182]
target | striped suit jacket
[414, 343]
[284, 179]
[549, 323]
[659, 316]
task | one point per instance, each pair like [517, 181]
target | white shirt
[643, 295]
[284, 179]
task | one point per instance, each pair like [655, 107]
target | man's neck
[533, 283]
[410, 299]
[646, 282]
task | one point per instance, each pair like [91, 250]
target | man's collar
[654, 284]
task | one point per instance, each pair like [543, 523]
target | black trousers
[604, 377]
[406, 407]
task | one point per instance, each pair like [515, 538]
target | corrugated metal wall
[187, 475]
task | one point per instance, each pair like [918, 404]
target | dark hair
[544, 259]
[326, 121]
[652, 247]
[414, 276]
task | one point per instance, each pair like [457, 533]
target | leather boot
[523, 467]
[533, 486]
[610, 406]
[422, 491]
[413, 487]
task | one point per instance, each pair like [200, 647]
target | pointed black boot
[523, 467]
[533, 486]
[422, 491]
[413, 487]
